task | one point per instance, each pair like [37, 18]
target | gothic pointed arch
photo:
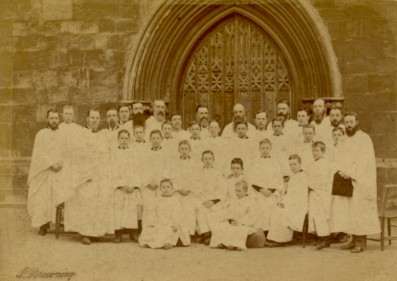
[252, 52]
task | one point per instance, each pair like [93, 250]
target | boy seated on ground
[237, 222]
[167, 228]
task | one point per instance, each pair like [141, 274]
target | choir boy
[126, 184]
[166, 230]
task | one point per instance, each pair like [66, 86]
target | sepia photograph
[198, 140]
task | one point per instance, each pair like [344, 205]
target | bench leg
[58, 216]
[389, 229]
[305, 230]
[382, 233]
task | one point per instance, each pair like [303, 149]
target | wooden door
[235, 61]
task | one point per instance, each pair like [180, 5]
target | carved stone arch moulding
[158, 66]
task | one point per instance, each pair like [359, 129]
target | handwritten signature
[33, 273]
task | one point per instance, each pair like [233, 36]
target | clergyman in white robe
[42, 179]
[89, 210]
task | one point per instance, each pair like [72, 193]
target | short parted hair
[278, 119]
[193, 123]
[320, 145]
[123, 105]
[182, 142]
[237, 161]
[154, 132]
[283, 101]
[265, 141]
[339, 128]
[239, 123]
[309, 126]
[243, 183]
[111, 108]
[165, 123]
[93, 110]
[200, 106]
[352, 113]
[295, 157]
[123, 131]
[336, 107]
[164, 180]
[52, 110]
[208, 152]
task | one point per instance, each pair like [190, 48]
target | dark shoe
[357, 249]
[134, 235]
[86, 240]
[350, 245]
[270, 244]
[167, 246]
[323, 244]
[44, 229]
[117, 239]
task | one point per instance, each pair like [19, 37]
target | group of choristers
[249, 186]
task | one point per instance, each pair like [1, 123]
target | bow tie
[266, 156]
[156, 148]
[184, 157]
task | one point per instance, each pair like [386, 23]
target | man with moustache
[290, 124]
[112, 127]
[261, 122]
[202, 118]
[360, 168]
[321, 122]
[124, 118]
[155, 121]
[239, 115]
[44, 174]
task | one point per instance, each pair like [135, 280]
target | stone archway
[160, 66]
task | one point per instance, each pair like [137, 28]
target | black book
[215, 200]
[342, 186]
[258, 188]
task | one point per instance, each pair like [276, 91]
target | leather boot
[44, 229]
[350, 245]
[86, 240]
[360, 244]
[324, 243]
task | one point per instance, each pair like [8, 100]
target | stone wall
[74, 51]
[364, 35]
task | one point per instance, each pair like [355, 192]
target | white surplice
[266, 173]
[209, 185]
[291, 217]
[152, 168]
[167, 226]
[360, 165]
[89, 210]
[244, 148]
[320, 180]
[124, 173]
[42, 181]
[182, 172]
[243, 212]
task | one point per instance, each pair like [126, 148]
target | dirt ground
[26, 256]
